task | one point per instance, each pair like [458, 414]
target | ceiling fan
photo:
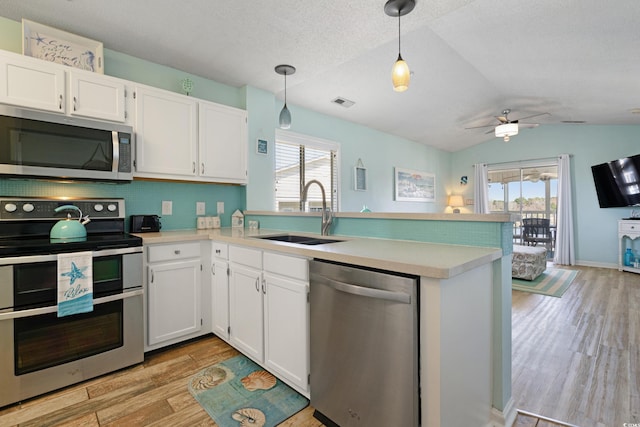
[508, 128]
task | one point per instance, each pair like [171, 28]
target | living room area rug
[238, 392]
[552, 282]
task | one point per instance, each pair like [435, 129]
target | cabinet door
[94, 95]
[222, 142]
[286, 328]
[165, 126]
[174, 299]
[30, 83]
[220, 303]
[245, 310]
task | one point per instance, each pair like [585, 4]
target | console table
[628, 232]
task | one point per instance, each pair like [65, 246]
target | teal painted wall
[595, 229]
[380, 153]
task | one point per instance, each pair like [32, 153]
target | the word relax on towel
[75, 283]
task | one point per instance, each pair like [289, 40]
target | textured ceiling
[575, 59]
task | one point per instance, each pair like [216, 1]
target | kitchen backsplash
[142, 197]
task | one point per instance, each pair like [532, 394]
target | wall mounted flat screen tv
[618, 182]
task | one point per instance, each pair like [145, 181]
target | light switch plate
[220, 208]
[167, 207]
[201, 208]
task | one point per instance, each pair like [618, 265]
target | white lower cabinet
[220, 290]
[174, 294]
[286, 328]
[245, 301]
[268, 310]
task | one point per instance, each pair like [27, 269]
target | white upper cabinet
[165, 126]
[97, 96]
[182, 138]
[222, 144]
[33, 83]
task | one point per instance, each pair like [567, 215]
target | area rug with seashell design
[237, 392]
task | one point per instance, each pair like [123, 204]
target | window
[298, 160]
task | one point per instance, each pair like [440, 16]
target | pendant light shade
[285, 118]
[285, 114]
[400, 74]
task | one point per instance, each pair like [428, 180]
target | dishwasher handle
[363, 291]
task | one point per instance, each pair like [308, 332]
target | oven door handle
[53, 257]
[52, 309]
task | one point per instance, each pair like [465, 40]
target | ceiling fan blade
[478, 127]
[502, 119]
[532, 116]
[528, 125]
[490, 131]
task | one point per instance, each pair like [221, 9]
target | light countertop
[435, 260]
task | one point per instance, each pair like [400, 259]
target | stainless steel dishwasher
[364, 346]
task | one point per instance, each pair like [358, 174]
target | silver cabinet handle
[213, 269]
[264, 287]
[193, 167]
[202, 169]
[257, 284]
[151, 276]
[365, 292]
[60, 103]
[177, 252]
[75, 103]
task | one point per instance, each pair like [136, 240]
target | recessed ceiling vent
[343, 102]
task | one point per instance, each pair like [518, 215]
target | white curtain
[565, 253]
[481, 189]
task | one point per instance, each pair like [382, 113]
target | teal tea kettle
[69, 230]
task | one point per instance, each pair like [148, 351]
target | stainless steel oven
[41, 352]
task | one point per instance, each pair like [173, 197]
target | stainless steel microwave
[36, 144]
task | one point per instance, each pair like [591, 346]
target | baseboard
[596, 264]
[506, 417]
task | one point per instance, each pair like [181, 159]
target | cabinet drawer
[220, 250]
[158, 253]
[246, 256]
[284, 265]
[629, 227]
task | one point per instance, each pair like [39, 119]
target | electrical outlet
[220, 208]
[167, 207]
[201, 208]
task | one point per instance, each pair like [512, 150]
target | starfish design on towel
[75, 273]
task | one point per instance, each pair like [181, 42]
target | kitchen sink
[299, 239]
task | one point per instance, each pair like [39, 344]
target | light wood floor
[575, 359]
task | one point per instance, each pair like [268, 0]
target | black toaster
[144, 223]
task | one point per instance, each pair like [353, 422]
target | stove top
[25, 224]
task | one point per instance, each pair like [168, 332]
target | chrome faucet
[327, 216]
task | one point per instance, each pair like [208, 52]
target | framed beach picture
[414, 186]
[51, 44]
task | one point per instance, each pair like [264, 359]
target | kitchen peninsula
[457, 287]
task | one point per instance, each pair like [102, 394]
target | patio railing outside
[517, 228]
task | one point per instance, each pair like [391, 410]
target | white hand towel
[75, 283]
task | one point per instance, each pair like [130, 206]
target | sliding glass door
[527, 191]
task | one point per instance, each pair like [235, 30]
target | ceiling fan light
[400, 75]
[506, 130]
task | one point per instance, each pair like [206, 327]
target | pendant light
[285, 115]
[400, 74]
